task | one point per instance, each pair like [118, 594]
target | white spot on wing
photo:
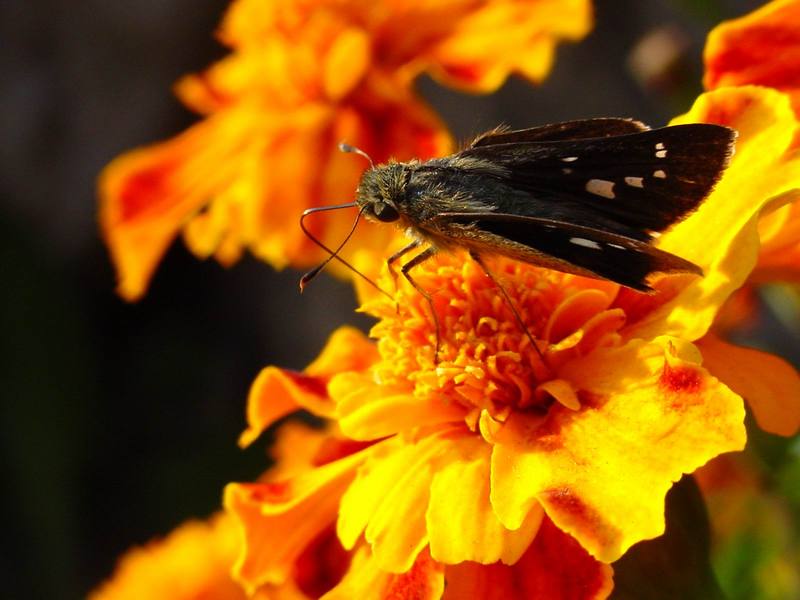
[618, 246]
[660, 174]
[601, 187]
[661, 154]
[659, 146]
[570, 159]
[585, 243]
[635, 181]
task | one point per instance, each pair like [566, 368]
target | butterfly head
[382, 190]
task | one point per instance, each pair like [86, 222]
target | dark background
[118, 421]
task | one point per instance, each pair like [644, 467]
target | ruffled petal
[277, 392]
[601, 473]
[769, 384]
[148, 194]
[761, 48]
[280, 519]
[487, 44]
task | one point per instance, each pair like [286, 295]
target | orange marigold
[470, 456]
[303, 76]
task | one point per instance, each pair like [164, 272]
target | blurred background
[118, 421]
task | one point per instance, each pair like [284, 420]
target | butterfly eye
[384, 212]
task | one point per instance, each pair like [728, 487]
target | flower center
[486, 360]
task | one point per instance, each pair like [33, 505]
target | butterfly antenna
[306, 279]
[348, 148]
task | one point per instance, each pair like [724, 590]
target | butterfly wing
[645, 181]
[569, 130]
[564, 246]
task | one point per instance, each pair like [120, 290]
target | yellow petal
[388, 499]
[367, 410]
[460, 519]
[601, 473]
[770, 385]
[722, 235]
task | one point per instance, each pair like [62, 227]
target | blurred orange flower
[301, 77]
[194, 561]
[763, 48]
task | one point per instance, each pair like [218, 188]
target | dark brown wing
[564, 246]
[646, 181]
[569, 130]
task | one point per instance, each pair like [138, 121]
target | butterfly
[587, 197]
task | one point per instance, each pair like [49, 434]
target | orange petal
[365, 579]
[761, 48]
[280, 519]
[554, 566]
[722, 235]
[277, 392]
[460, 519]
[148, 194]
[601, 473]
[487, 44]
[770, 385]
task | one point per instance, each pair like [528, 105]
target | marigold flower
[468, 457]
[303, 76]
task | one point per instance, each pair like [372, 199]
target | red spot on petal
[571, 512]
[566, 501]
[683, 379]
[143, 190]
[273, 492]
[312, 385]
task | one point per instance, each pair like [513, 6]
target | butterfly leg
[477, 258]
[417, 260]
[397, 256]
